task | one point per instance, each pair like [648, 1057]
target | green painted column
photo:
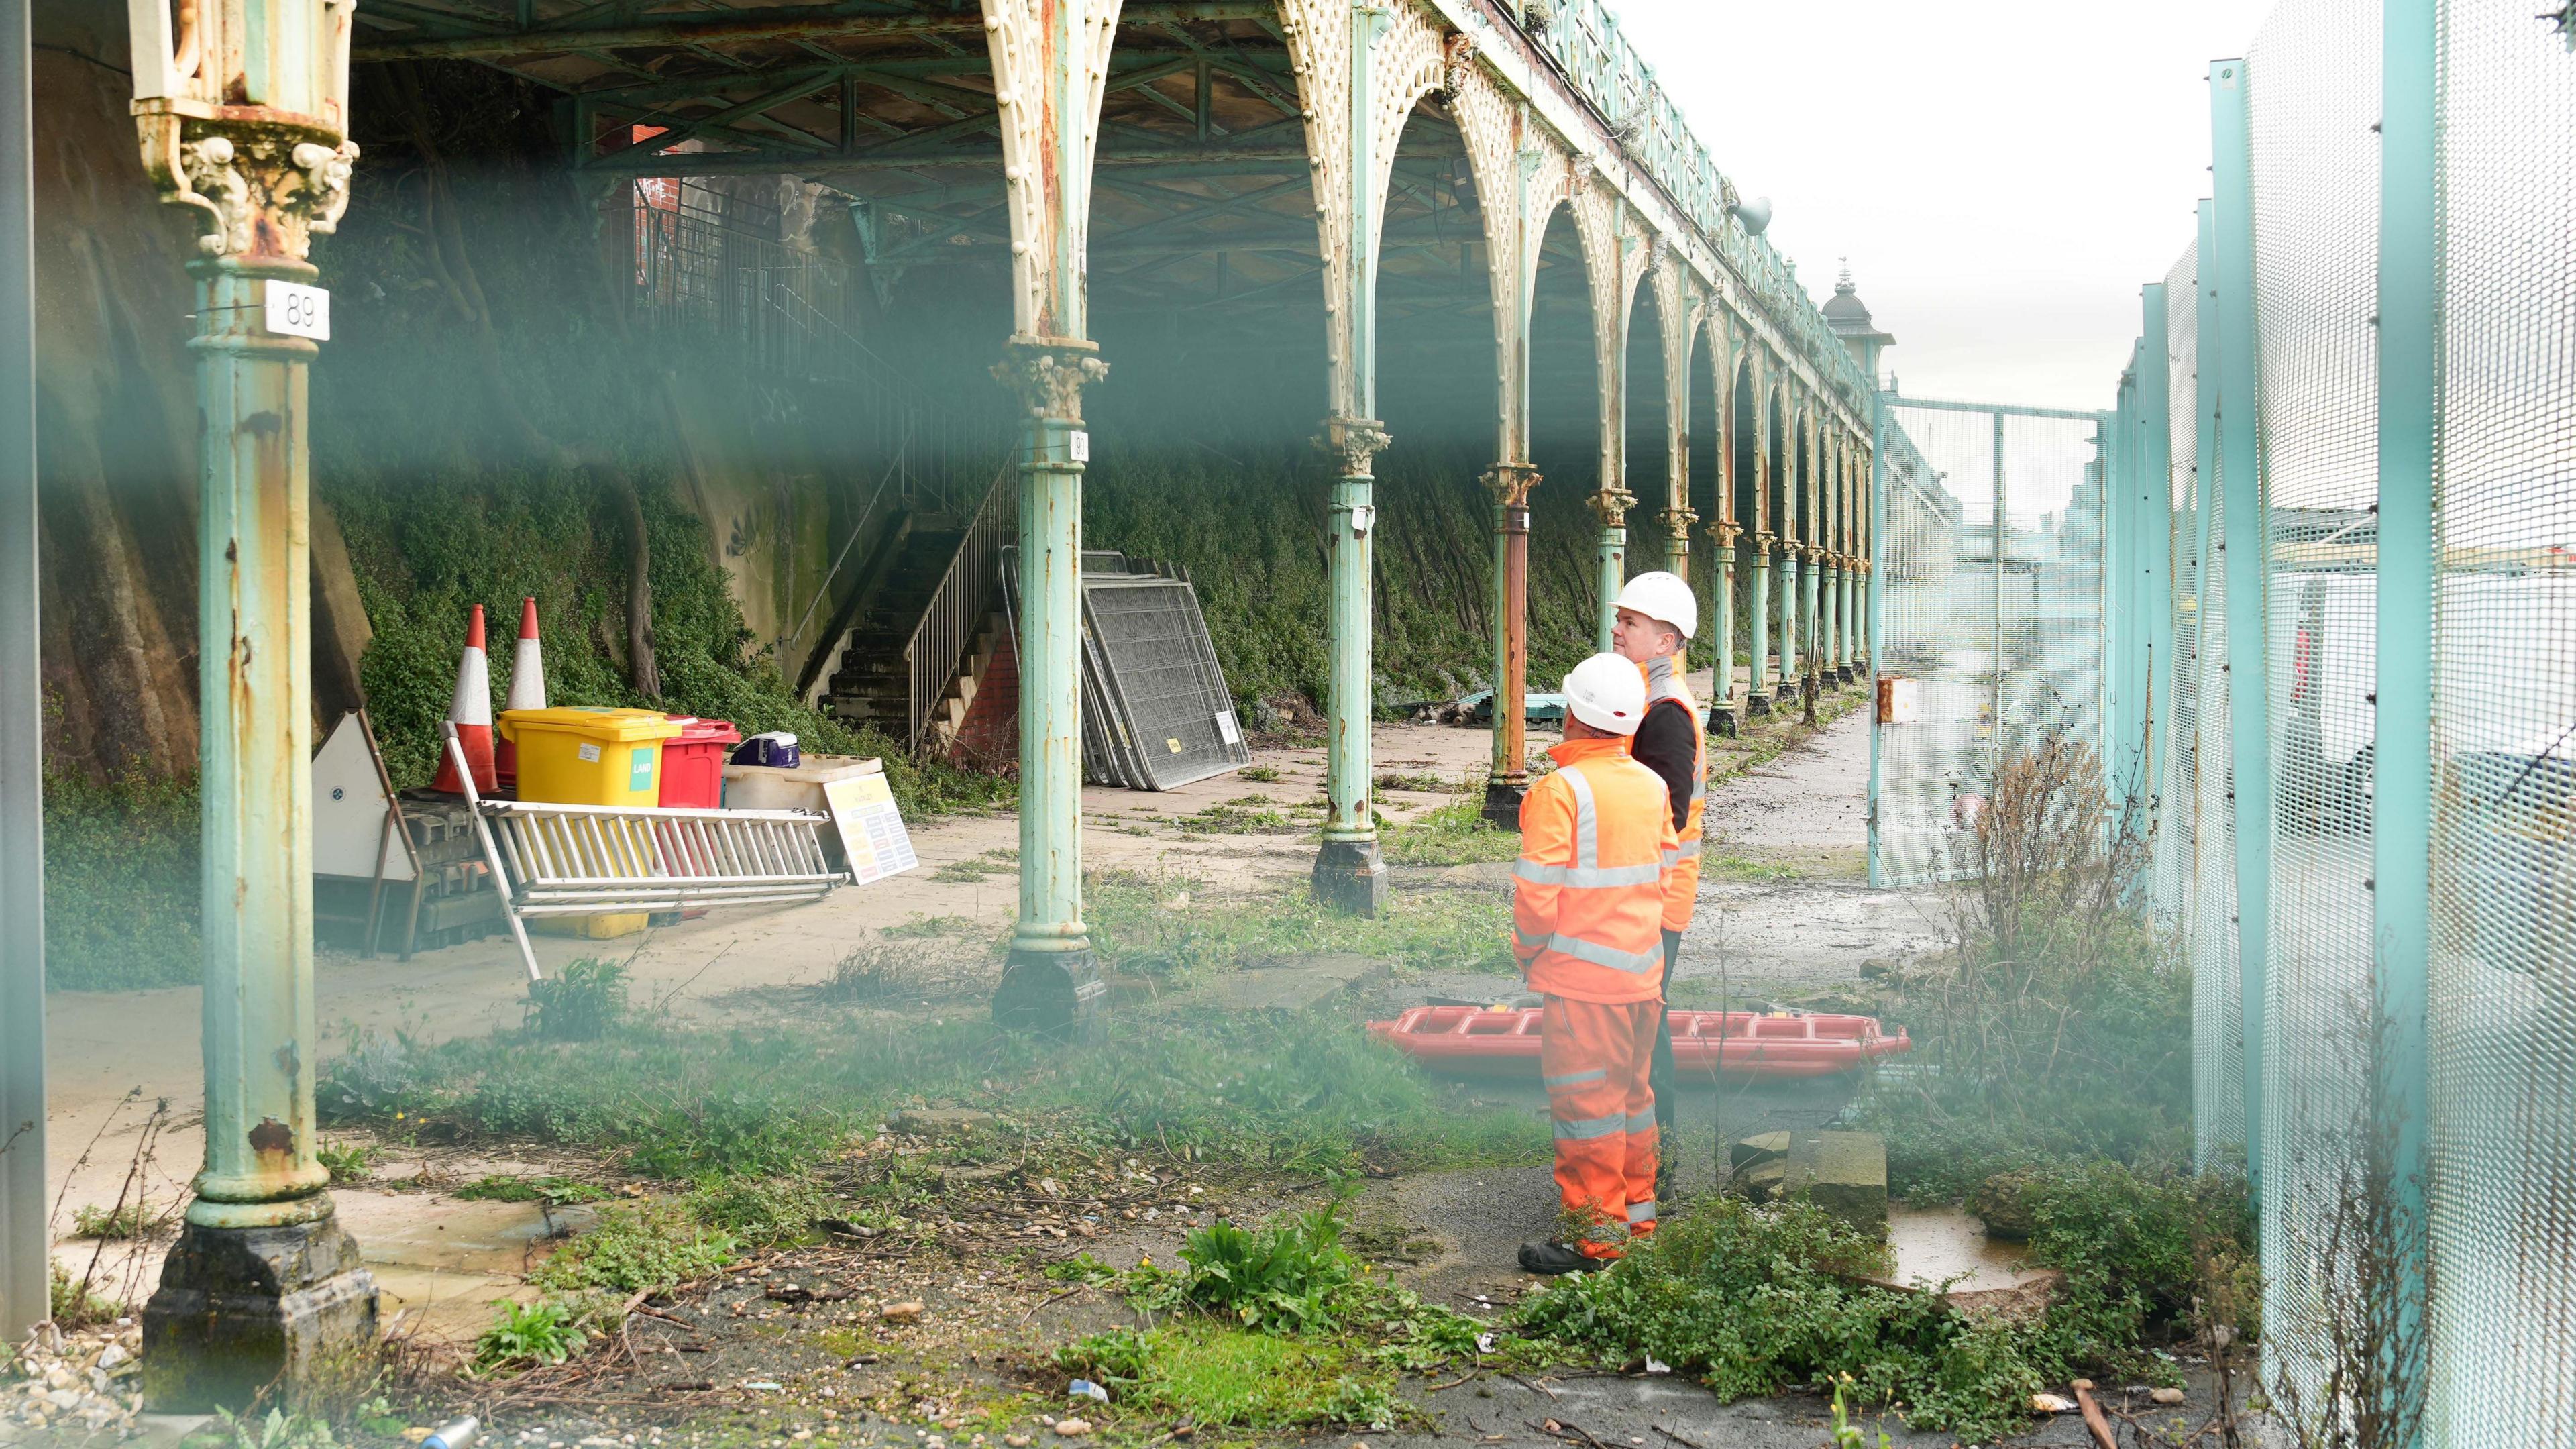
[1757, 693]
[2402, 768]
[2230, 276]
[263, 1287]
[1791, 661]
[1610, 557]
[1348, 872]
[1813, 579]
[24, 1239]
[1677, 554]
[1051, 980]
[1042, 55]
[1723, 706]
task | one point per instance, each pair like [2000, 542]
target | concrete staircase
[870, 680]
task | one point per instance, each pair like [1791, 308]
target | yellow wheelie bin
[587, 755]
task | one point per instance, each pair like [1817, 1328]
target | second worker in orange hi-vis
[1597, 849]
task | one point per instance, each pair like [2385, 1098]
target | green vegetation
[1454, 834]
[1257, 774]
[525, 1334]
[579, 1002]
[758, 1211]
[113, 1225]
[348, 1161]
[652, 1246]
[1162, 927]
[1754, 1300]
[690, 1103]
[120, 882]
[1271, 1327]
[278, 1429]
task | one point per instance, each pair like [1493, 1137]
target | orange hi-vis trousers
[1593, 1059]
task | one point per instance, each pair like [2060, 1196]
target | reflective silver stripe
[1690, 850]
[1580, 878]
[1699, 788]
[1574, 1079]
[1641, 1212]
[1526, 939]
[1587, 823]
[1672, 858]
[1634, 962]
[1640, 1121]
[1590, 1128]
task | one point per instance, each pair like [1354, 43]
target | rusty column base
[1053, 993]
[1503, 801]
[1722, 721]
[1756, 704]
[241, 1310]
[1350, 877]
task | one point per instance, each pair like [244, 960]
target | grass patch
[1257, 774]
[649, 1247]
[111, 1225]
[1217, 1375]
[1738, 868]
[1420, 783]
[694, 1103]
[965, 872]
[120, 882]
[1454, 834]
[527, 1334]
[1236, 817]
[1143, 925]
[578, 1003]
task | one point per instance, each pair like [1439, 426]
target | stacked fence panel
[2503, 961]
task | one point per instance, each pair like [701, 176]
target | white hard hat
[1663, 597]
[1607, 693]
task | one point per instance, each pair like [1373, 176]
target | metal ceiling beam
[802, 23]
[1228, 158]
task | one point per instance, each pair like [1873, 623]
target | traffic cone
[471, 713]
[527, 689]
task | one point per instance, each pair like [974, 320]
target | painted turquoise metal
[1812, 656]
[23, 1235]
[2410, 340]
[1758, 693]
[1787, 623]
[2150, 556]
[2248, 705]
[1610, 558]
[255, 736]
[1721, 694]
[1877, 589]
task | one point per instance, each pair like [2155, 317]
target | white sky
[2003, 174]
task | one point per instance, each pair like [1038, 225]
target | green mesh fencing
[2313, 92]
[2503, 963]
[1994, 632]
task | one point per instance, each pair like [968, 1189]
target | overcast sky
[2003, 174]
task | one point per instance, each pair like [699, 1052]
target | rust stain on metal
[290, 1061]
[272, 1138]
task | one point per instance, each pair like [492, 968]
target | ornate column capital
[1726, 531]
[1048, 374]
[1354, 444]
[1611, 506]
[1511, 483]
[1765, 539]
[1677, 522]
[262, 189]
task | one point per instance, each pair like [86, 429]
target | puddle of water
[1936, 1243]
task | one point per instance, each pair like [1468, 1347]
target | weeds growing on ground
[552, 1190]
[1257, 774]
[1146, 926]
[651, 1246]
[1454, 834]
[347, 1161]
[579, 1002]
[543, 1332]
[112, 1225]
[73, 1304]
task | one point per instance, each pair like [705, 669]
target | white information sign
[871, 830]
[1078, 443]
[295, 310]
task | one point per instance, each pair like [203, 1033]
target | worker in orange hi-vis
[1597, 845]
[1657, 614]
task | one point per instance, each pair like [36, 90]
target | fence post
[2248, 717]
[23, 1237]
[1995, 665]
[1875, 580]
[2150, 561]
[2402, 763]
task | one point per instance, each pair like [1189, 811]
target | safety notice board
[871, 831]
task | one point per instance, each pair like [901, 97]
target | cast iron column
[241, 123]
[1051, 981]
[1610, 505]
[1509, 781]
[1348, 873]
[1723, 716]
[1757, 691]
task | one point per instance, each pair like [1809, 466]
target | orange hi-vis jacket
[1597, 845]
[1681, 890]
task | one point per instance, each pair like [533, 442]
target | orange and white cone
[527, 689]
[471, 713]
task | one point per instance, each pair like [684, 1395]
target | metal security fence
[2310, 586]
[1990, 597]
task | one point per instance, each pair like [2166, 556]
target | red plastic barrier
[1482, 1042]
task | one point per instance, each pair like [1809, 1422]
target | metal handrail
[938, 644]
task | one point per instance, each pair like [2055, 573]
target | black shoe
[1551, 1258]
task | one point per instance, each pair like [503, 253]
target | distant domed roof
[1846, 309]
